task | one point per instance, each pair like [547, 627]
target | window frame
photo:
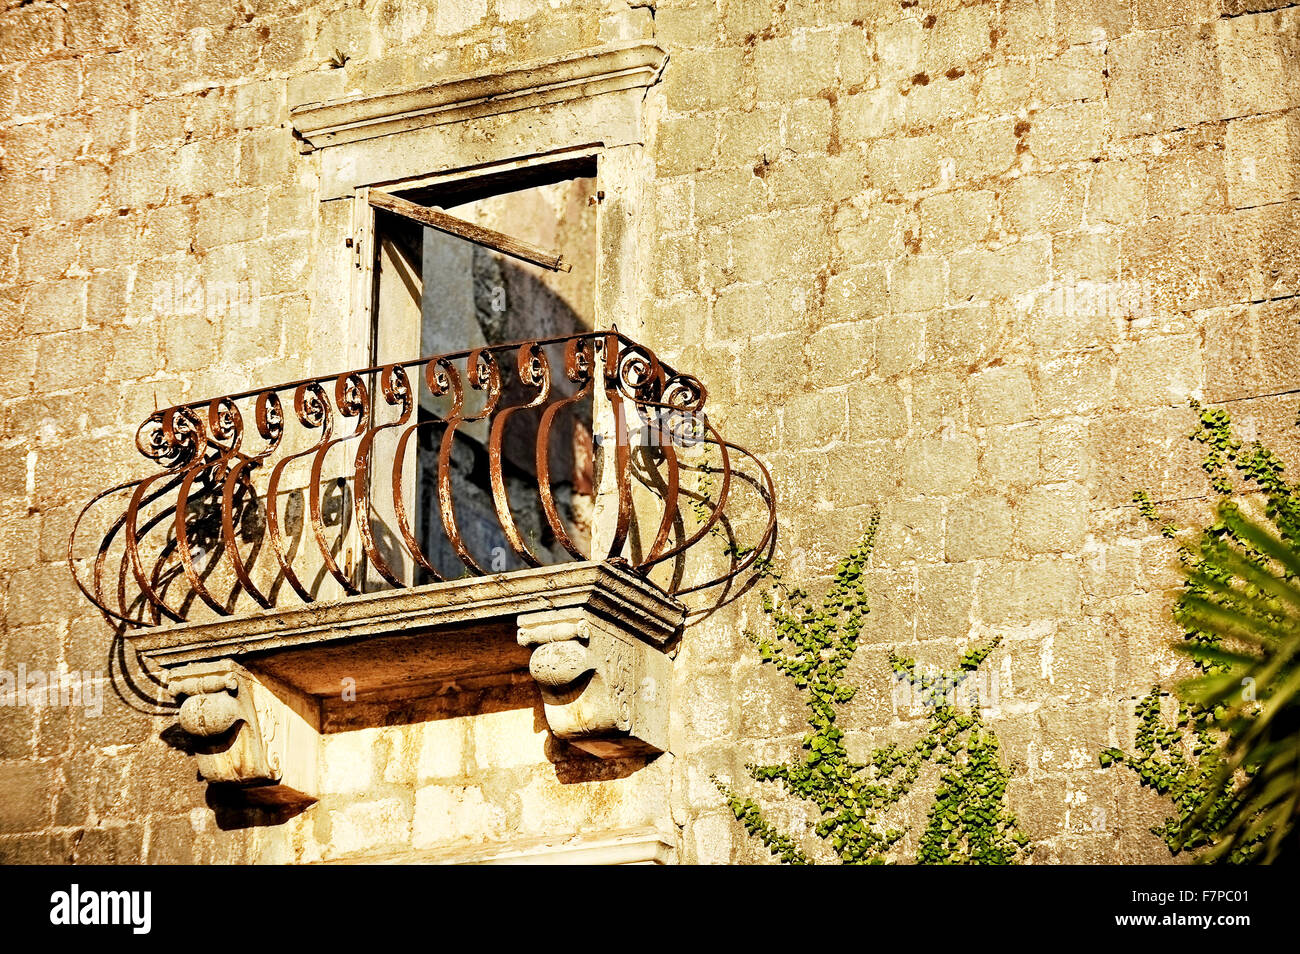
[365, 232]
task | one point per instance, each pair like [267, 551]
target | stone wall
[964, 264]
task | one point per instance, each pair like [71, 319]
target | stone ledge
[610, 591]
[629, 847]
[258, 691]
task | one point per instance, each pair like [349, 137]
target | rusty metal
[192, 536]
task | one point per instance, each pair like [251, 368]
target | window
[480, 263]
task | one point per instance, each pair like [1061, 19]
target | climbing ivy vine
[811, 642]
[1180, 761]
[1183, 759]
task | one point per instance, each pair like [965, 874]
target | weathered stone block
[899, 46]
[1258, 57]
[959, 36]
[449, 813]
[1063, 450]
[963, 334]
[1037, 590]
[685, 144]
[1163, 80]
[1260, 157]
[1075, 384]
[40, 595]
[952, 220]
[871, 232]
[229, 219]
[50, 87]
[795, 67]
[55, 306]
[911, 531]
[875, 411]
[946, 594]
[28, 796]
[1086, 256]
[1074, 75]
[687, 26]
[992, 274]
[870, 114]
[1142, 449]
[1250, 350]
[982, 149]
[1083, 21]
[978, 527]
[940, 403]
[1052, 519]
[29, 32]
[1160, 371]
[703, 79]
[704, 711]
[743, 136]
[372, 824]
[1048, 203]
[904, 165]
[1002, 395]
[900, 344]
[1068, 133]
[769, 705]
[940, 466]
[947, 96]
[918, 283]
[1191, 262]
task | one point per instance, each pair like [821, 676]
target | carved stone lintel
[327, 111]
[604, 690]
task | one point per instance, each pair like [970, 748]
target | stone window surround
[589, 105]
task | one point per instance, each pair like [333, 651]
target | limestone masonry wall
[962, 263]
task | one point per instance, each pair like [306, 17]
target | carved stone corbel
[218, 712]
[604, 689]
[236, 729]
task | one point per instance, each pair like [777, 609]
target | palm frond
[1247, 602]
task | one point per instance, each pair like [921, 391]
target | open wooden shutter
[490, 238]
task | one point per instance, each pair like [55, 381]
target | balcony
[557, 507]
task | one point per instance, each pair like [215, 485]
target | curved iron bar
[396, 388]
[484, 375]
[205, 470]
[270, 426]
[534, 372]
[578, 369]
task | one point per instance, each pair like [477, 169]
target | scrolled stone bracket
[219, 713]
[606, 686]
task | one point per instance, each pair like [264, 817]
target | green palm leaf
[1244, 597]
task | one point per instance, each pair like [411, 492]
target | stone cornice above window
[328, 114]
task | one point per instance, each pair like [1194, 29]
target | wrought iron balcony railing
[585, 447]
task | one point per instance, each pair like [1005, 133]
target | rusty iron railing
[330, 487]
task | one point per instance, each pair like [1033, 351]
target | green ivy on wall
[1182, 760]
[811, 642]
